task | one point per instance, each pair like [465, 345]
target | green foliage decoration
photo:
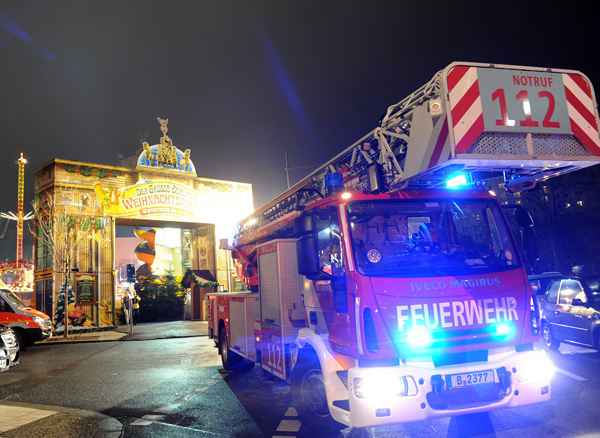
[161, 298]
[90, 172]
[197, 280]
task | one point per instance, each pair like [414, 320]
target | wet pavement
[25, 420]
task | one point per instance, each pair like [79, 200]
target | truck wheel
[22, 338]
[226, 358]
[548, 337]
[230, 360]
[308, 393]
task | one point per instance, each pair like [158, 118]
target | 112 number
[523, 96]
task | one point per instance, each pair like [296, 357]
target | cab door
[551, 309]
[574, 321]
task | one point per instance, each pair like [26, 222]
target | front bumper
[37, 334]
[519, 379]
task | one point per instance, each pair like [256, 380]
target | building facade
[177, 217]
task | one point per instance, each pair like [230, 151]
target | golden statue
[185, 161]
[163, 155]
[163, 125]
[148, 155]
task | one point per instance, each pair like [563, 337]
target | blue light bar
[456, 182]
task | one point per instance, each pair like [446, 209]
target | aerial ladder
[528, 123]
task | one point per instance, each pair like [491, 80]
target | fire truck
[381, 291]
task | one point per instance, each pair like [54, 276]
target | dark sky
[242, 82]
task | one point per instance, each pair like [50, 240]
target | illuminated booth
[171, 218]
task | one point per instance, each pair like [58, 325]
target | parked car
[9, 349]
[571, 312]
[29, 324]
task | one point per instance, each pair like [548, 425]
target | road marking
[290, 424]
[147, 419]
[582, 351]
[140, 422]
[170, 407]
[571, 375]
[185, 398]
[153, 417]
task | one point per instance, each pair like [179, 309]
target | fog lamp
[503, 329]
[538, 370]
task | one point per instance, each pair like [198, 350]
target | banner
[150, 198]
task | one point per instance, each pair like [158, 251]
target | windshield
[13, 299]
[593, 283]
[430, 238]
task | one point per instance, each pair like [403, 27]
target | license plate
[454, 381]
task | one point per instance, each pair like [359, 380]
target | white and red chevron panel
[465, 103]
[580, 101]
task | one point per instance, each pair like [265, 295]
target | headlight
[9, 338]
[39, 321]
[380, 388]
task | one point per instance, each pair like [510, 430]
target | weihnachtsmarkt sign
[149, 198]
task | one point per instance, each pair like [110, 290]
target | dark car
[539, 282]
[571, 312]
[9, 348]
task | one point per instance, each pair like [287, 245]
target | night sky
[243, 82]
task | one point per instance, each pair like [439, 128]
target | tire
[549, 341]
[308, 393]
[226, 357]
[230, 360]
[22, 338]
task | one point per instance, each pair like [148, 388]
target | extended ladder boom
[530, 123]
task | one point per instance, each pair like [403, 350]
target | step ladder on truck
[382, 296]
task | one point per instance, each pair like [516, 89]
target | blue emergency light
[456, 182]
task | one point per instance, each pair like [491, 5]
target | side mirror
[578, 302]
[518, 216]
[523, 218]
[307, 247]
[525, 221]
[530, 249]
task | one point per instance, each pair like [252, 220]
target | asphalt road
[177, 388]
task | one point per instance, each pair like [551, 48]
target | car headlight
[39, 321]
